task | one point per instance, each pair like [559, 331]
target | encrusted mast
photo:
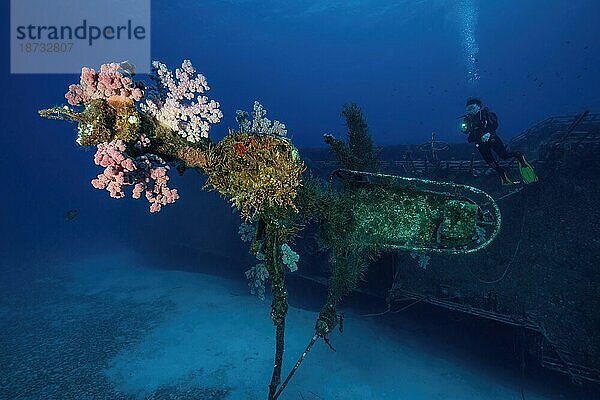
[141, 131]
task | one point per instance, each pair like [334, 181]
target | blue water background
[403, 64]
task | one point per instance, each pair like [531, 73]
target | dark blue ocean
[101, 299]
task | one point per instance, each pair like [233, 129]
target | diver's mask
[473, 109]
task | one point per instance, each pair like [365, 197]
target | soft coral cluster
[125, 136]
[118, 168]
[102, 85]
[181, 105]
[148, 174]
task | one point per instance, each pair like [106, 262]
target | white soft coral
[184, 109]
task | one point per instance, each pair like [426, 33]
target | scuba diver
[480, 124]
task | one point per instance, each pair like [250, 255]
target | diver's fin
[527, 172]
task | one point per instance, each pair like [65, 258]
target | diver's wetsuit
[478, 125]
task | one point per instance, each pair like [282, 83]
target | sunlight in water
[468, 15]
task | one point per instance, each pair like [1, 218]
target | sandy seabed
[107, 328]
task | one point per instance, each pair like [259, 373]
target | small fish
[126, 68]
[70, 215]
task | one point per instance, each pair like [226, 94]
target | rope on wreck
[296, 366]
[514, 256]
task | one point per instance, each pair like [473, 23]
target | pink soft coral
[147, 174]
[102, 85]
[118, 168]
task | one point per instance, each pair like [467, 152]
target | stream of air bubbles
[468, 13]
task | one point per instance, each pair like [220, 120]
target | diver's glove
[486, 137]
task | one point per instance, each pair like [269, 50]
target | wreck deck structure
[541, 273]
